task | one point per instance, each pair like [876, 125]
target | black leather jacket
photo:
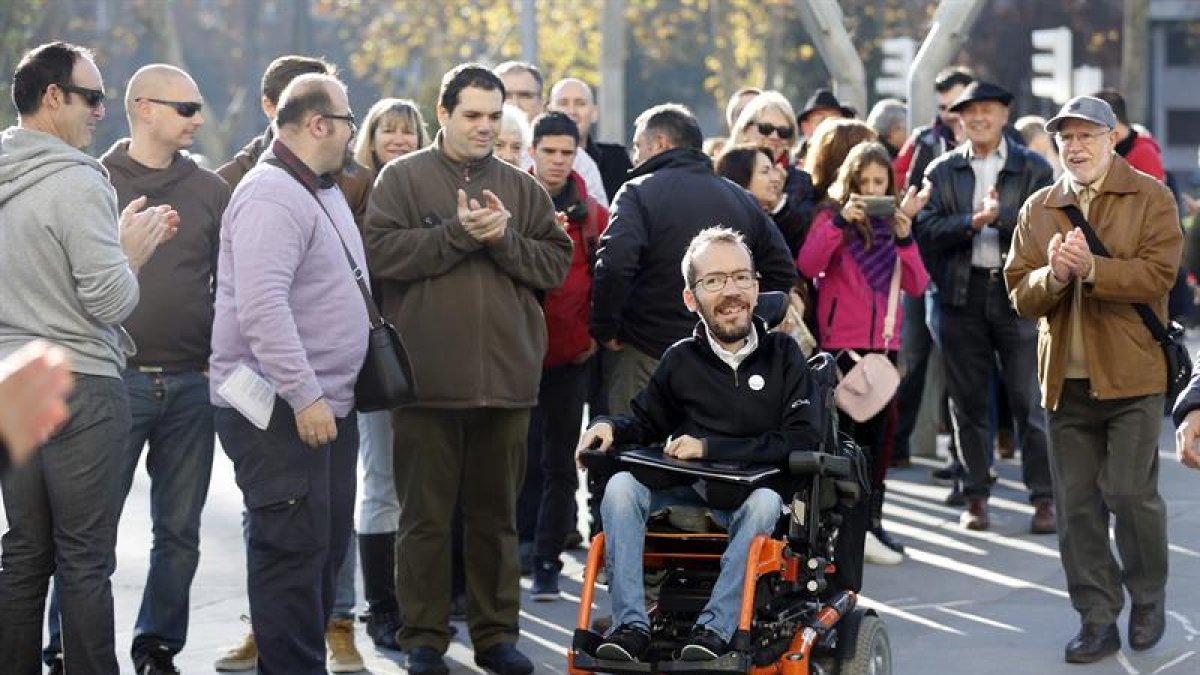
[943, 228]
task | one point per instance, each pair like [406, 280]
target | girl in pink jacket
[851, 257]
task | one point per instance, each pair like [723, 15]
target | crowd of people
[534, 273]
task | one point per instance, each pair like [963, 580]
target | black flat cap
[821, 99]
[981, 91]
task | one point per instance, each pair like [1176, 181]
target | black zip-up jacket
[667, 201]
[757, 414]
[613, 161]
[943, 228]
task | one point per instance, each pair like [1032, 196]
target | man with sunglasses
[71, 268]
[1102, 372]
[172, 327]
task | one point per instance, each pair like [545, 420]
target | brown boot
[1005, 446]
[976, 515]
[1043, 521]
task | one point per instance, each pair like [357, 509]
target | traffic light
[1052, 64]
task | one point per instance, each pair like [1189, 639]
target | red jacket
[568, 307]
[1144, 155]
[849, 314]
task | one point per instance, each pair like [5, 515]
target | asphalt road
[979, 603]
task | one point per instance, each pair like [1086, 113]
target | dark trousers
[1105, 459]
[62, 511]
[553, 434]
[475, 457]
[916, 350]
[972, 337]
[299, 519]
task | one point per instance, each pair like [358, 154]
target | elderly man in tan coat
[1102, 373]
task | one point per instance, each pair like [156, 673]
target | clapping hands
[1070, 256]
[485, 223]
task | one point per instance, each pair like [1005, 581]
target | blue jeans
[626, 506]
[62, 521]
[171, 412]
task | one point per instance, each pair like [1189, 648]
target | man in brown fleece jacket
[354, 180]
[462, 243]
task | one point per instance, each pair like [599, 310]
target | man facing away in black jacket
[671, 196]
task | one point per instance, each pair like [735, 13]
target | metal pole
[612, 72]
[529, 34]
[1135, 55]
[951, 25]
[825, 24]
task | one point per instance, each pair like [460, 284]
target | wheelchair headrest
[772, 307]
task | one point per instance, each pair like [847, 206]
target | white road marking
[1171, 664]
[981, 619]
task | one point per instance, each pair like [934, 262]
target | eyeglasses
[92, 97]
[1083, 137]
[348, 118]
[184, 108]
[715, 282]
[765, 128]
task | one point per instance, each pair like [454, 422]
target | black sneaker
[458, 607]
[703, 645]
[382, 628]
[545, 582]
[946, 474]
[155, 660]
[573, 541]
[426, 661]
[504, 659]
[626, 643]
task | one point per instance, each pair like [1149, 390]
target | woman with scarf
[852, 257]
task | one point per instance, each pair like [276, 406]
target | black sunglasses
[92, 97]
[184, 108]
[765, 128]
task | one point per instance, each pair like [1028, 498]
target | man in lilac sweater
[289, 310]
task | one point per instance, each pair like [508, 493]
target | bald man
[172, 327]
[290, 315]
[576, 98]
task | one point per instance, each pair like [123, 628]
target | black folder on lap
[735, 472]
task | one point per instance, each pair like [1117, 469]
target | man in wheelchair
[732, 392]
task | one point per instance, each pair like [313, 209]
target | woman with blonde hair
[853, 254]
[393, 128]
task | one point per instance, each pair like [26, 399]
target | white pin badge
[756, 382]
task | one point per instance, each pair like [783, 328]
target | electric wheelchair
[798, 613]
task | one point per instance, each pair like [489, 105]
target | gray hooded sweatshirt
[63, 274]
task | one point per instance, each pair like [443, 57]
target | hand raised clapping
[485, 223]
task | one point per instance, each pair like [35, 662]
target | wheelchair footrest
[733, 663]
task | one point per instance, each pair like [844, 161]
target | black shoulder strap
[1148, 317]
[372, 310]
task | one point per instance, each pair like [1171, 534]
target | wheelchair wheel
[872, 650]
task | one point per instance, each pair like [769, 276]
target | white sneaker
[876, 553]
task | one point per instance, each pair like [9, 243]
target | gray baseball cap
[1086, 108]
